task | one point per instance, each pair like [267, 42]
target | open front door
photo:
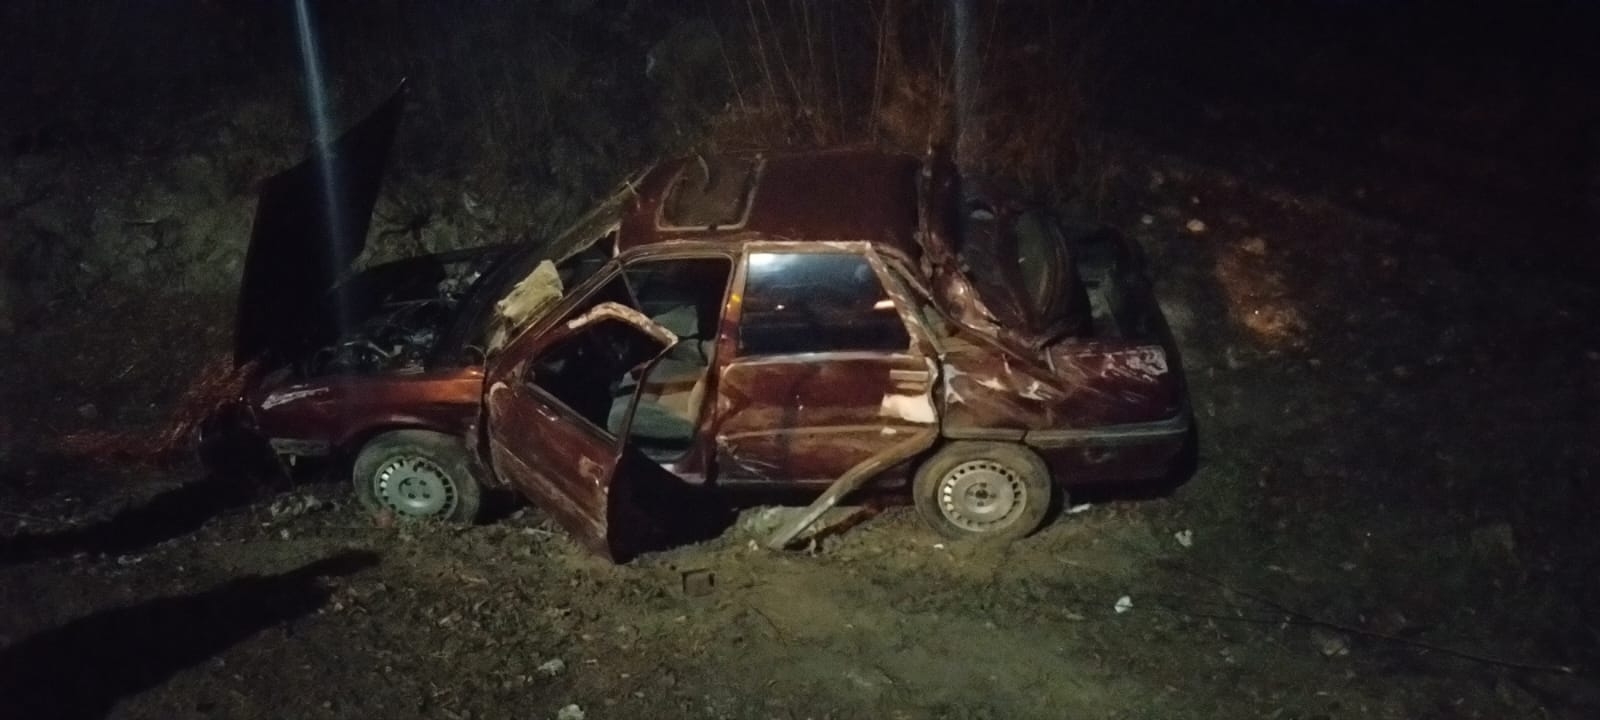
[559, 406]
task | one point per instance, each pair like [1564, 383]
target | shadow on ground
[171, 514]
[81, 669]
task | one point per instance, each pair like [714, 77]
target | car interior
[685, 297]
[597, 371]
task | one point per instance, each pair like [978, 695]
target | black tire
[1007, 488]
[417, 475]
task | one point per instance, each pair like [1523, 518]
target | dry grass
[886, 72]
[535, 107]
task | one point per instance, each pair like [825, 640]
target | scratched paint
[911, 408]
[1147, 360]
[289, 396]
[952, 374]
[590, 470]
[994, 384]
[1034, 390]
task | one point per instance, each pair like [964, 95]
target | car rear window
[816, 302]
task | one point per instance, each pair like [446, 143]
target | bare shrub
[884, 72]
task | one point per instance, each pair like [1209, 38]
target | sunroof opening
[711, 193]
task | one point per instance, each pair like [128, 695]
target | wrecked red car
[721, 330]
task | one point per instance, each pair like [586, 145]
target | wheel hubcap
[982, 496]
[414, 486]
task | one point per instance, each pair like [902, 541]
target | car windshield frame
[597, 228]
[477, 306]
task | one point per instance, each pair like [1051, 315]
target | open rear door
[557, 422]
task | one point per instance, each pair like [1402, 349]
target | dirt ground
[1387, 522]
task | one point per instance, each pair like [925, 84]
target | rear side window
[816, 302]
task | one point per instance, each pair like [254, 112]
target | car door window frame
[693, 462]
[734, 260]
[524, 373]
[531, 341]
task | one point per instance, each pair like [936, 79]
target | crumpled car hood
[311, 223]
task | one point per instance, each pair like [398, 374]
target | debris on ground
[1329, 643]
[292, 506]
[698, 583]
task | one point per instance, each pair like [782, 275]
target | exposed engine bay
[404, 308]
[397, 339]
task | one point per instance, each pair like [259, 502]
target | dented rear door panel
[807, 418]
[812, 417]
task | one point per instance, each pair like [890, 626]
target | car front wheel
[417, 475]
[983, 490]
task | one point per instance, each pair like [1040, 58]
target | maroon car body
[767, 323]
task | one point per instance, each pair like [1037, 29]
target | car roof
[844, 194]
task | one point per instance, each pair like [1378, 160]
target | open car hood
[311, 223]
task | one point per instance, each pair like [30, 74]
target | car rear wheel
[983, 490]
[416, 475]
